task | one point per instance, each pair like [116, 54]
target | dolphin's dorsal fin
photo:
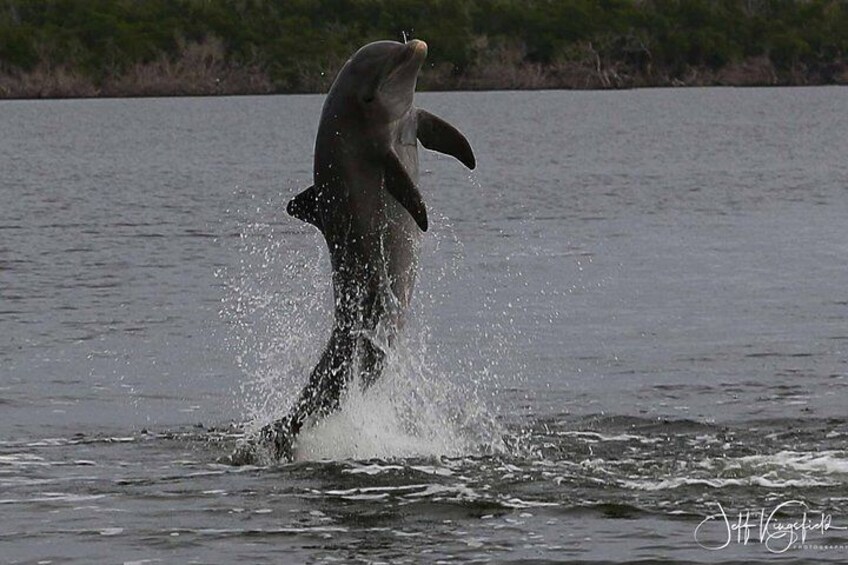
[438, 135]
[399, 184]
[304, 207]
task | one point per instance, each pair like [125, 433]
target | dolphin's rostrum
[365, 201]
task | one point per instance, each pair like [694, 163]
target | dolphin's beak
[404, 69]
[419, 47]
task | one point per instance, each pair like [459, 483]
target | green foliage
[17, 49]
[293, 40]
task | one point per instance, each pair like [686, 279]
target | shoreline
[209, 91]
[429, 91]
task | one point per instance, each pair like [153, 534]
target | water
[633, 312]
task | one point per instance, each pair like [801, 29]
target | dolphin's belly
[382, 248]
[373, 243]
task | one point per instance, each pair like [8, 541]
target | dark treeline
[147, 47]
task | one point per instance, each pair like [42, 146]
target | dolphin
[366, 202]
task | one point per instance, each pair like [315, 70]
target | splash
[411, 411]
[276, 303]
[279, 307]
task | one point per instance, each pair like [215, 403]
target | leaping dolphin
[365, 201]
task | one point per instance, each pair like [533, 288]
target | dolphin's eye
[368, 98]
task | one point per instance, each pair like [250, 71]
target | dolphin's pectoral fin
[438, 135]
[304, 207]
[400, 185]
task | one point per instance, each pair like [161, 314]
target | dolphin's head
[380, 77]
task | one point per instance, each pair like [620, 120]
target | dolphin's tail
[345, 353]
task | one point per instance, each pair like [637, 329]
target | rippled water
[633, 312]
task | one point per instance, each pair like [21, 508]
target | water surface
[633, 311]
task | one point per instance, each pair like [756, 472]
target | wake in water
[279, 306]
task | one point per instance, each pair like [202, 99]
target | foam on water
[823, 462]
[366, 429]
[398, 417]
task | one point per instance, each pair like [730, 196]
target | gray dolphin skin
[365, 201]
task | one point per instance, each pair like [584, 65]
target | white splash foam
[785, 469]
[824, 462]
[390, 420]
[372, 469]
[596, 437]
[677, 482]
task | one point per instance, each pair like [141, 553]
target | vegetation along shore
[86, 48]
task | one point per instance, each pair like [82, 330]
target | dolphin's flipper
[399, 184]
[304, 207]
[438, 135]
